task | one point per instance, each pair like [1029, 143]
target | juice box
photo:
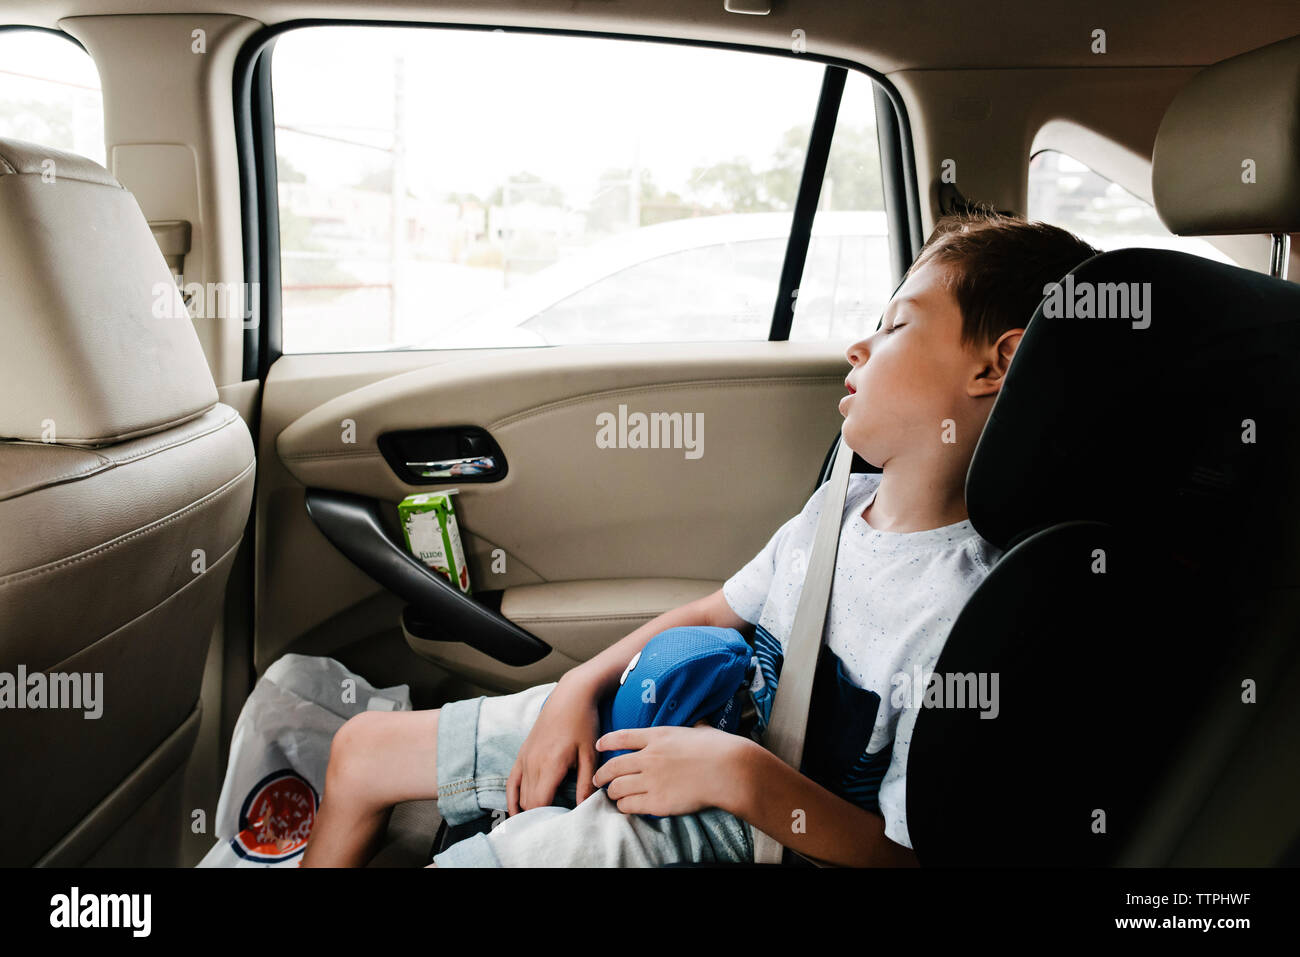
[432, 535]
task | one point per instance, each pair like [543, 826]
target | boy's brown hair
[996, 267]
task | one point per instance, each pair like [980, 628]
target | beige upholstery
[119, 534]
[583, 618]
[1244, 108]
[98, 347]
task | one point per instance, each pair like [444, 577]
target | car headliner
[886, 35]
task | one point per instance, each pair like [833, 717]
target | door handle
[452, 468]
[459, 453]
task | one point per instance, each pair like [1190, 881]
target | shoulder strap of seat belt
[788, 720]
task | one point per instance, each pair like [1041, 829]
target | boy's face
[914, 373]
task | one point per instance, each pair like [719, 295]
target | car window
[1067, 193]
[847, 279]
[444, 188]
[49, 92]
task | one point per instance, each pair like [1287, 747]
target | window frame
[259, 184]
[9, 27]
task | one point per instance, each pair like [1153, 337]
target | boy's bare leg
[377, 759]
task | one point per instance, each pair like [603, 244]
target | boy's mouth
[848, 385]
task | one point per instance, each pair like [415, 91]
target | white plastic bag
[278, 756]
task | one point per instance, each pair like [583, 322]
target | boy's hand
[674, 770]
[562, 737]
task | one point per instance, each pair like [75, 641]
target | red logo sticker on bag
[276, 818]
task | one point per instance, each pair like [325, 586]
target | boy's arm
[599, 675]
[767, 793]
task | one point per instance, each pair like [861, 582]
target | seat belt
[788, 719]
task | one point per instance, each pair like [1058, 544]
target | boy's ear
[996, 360]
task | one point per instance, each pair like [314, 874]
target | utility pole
[398, 225]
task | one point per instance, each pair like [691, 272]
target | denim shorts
[478, 739]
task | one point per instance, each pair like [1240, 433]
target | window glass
[1067, 193]
[847, 279]
[445, 188]
[49, 93]
[676, 296]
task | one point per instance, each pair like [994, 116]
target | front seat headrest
[1225, 154]
[1142, 419]
[98, 346]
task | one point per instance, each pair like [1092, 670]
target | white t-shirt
[894, 598]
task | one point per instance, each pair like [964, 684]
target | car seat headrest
[1225, 154]
[98, 345]
[1154, 387]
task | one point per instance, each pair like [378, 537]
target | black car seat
[1145, 483]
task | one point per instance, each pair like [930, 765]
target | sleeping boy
[918, 392]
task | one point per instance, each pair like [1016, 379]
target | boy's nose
[857, 353]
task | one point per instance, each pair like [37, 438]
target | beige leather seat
[125, 487]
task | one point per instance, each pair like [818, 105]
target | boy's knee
[349, 752]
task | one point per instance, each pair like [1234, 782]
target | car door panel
[577, 619]
[584, 543]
